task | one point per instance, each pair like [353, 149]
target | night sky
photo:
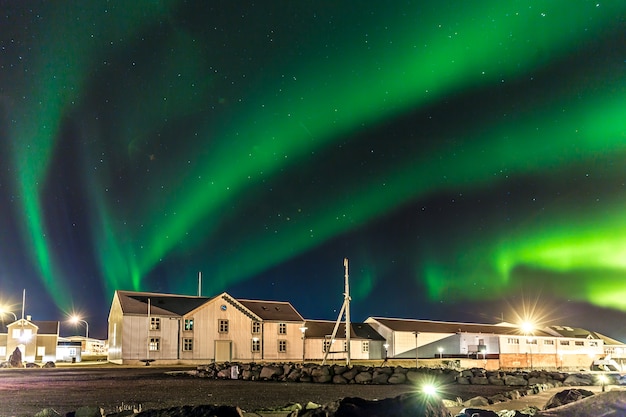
[468, 158]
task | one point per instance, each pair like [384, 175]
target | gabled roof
[272, 310]
[428, 326]
[160, 304]
[580, 333]
[44, 327]
[324, 328]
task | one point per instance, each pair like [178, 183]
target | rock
[404, 405]
[363, 378]
[479, 380]
[380, 378]
[397, 378]
[350, 374]
[515, 380]
[476, 402]
[15, 360]
[194, 411]
[537, 380]
[494, 380]
[578, 379]
[31, 365]
[414, 376]
[339, 379]
[567, 396]
[271, 372]
[89, 411]
[476, 412]
[463, 380]
[49, 364]
[48, 412]
[612, 403]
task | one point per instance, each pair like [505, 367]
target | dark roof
[160, 304]
[428, 326]
[272, 310]
[46, 327]
[323, 328]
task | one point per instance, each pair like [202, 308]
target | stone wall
[342, 374]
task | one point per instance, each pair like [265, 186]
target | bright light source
[429, 389]
[527, 327]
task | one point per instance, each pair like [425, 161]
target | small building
[365, 342]
[173, 328]
[69, 350]
[36, 340]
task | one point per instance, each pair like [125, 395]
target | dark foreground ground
[23, 392]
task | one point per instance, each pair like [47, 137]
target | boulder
[194, 411]
[612, 403]
[339, 379]
[271, 372]
[415, 404]
[363, 378]
[567, 396]
[578, 379]
[380, 378]
[15, 360]
[515, 380]
[476, 402]
[479, 380]
[476, 412]
[397, 378]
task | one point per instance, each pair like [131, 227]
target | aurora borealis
[462, 156]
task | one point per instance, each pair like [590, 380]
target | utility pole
[344, 308]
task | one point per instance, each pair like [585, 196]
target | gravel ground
[24, 392]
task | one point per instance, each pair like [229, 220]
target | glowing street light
[440, 350]
[3, 311]
[76, 320]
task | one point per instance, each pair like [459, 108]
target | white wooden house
[176, 328]
[36, 340]
[365, 342]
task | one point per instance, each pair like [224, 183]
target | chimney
[29, 317]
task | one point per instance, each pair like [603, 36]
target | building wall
[116, 322]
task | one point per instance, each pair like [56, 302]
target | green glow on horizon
[282, 123]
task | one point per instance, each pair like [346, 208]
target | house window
[155, 344]
[256, 345]
[365, 346]
[155, 323]
[564, 342]
[282, 328]
[41, 350]
[531, 341]
[22, 334]
[282, 346]
[345, 345]
[326, 345]
[579, 343]
[548, 342]
[593, 343]
[256, 327]
[187, 344]
[513, 341]
[223, 326]
[188, 324]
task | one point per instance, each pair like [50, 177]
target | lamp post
[416, 354]
[76, 320]
[386, 346]
[440, 350]
[303, 330]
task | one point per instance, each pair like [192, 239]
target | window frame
[155, 344]
[282, 328]
[188, 325]
[188, 344]
[256, 327]
[282, 346]
[155, 324]
[223, 326]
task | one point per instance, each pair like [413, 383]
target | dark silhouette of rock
[476, 412]
[408, 405]
[197, 411]
[612, 403]
[567, 396]
[15, 360]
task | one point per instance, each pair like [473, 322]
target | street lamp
[303, 329]
[440, 350]
[527, 328]
[76, 320]
[3, 311]
[416, 355]
[386, 346]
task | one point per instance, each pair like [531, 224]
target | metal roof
[160, 304]
[323, 328]
[272, 310]
[428, 326]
